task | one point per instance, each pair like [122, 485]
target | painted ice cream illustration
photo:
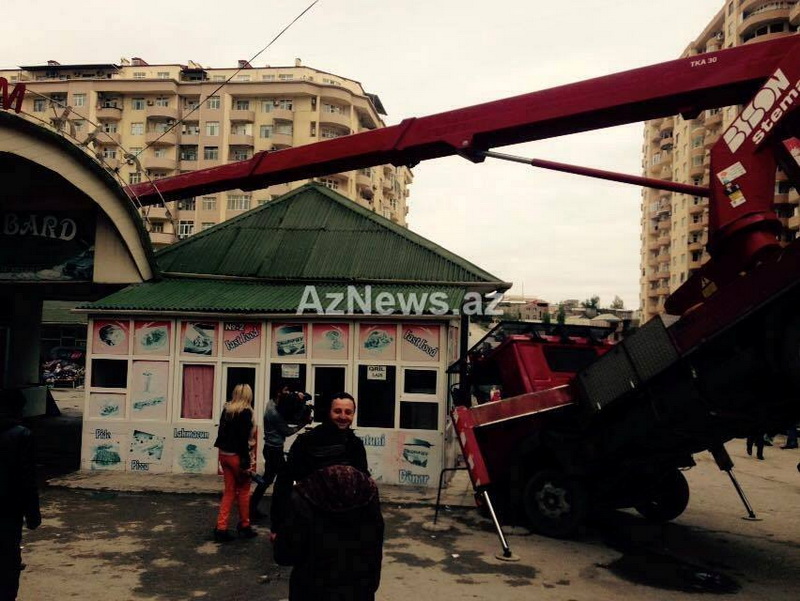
[192, 459]
[334, 339]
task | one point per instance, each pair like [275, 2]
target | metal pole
[506, 549]
[750, 513]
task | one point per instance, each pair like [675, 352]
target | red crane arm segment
[685, 85]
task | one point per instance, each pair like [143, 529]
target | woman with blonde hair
[235, 441]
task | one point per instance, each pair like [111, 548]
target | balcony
[189, 164]
[781, 199]
[755, 16]
[246, 116]
[663, 239]
[794, 197]
[278, 114]
[280, 141]
[109, 113]
[695, 246]
[666, 143]
[695, 264]
[240, 140]
[711, 138]
[794, 223]
[363, 180]
[162, 239]
[155, 213]
[161, 113]
[158, 163]
[108, 138]
[158, 138]
[697, 208]
[794, 14]
[697, 170]
[339, 119]
[109, 163]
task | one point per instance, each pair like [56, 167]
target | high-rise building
[153, 121]
[675, 226]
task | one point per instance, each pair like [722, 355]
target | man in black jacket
[19, 496]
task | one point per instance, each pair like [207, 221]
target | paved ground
[104, 545]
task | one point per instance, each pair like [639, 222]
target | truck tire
[667, 498]
[555, 504]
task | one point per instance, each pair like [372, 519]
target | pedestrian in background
[19, 496]
[282, 418]
[791, 438]
[236, 442]
[756, 439]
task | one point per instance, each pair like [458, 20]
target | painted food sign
[377, 341]
[151, 338]
[289, 340]
[199, 338]
[149, 393]
[331, 341]
[421, 343]
[241, 339]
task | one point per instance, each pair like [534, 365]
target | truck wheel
[555, 503]
[668, 498]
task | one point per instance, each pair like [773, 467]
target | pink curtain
[198, 392]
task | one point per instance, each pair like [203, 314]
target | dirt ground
[103, 546]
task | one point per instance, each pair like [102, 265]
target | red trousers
[237, 487]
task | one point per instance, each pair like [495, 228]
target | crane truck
[583, 424]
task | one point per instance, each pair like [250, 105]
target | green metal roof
[316, 234]
[232, 296]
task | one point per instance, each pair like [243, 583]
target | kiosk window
[376, 396]
[197, 400]
[415, 415]
[239, 375]
[292, 375]
[109, 373]
[419, 381]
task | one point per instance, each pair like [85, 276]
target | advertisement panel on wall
[150, 448]
[47, 245]
[241, 339]
[421, 342]
[151, 338]
[149, 390]
[407, 458]
[110, 337]
[105, 405]
[105, 446]
[289, 340]
[330, 341]
[193, 449]
[377, 342]
[198, 338]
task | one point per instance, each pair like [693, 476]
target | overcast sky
[555, 236]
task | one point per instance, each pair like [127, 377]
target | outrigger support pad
[725, 464]
[506, 555]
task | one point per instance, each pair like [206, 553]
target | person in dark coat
[333, 442]
[333, 536]
[19, 496]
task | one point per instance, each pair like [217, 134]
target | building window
[213, 102]
[135, 177]
[109, 127]
[135, 150]
[212, 128]
[242, 105]
[697, 160]
[332, 108]
[265, 131]
[137, 104]
[137, 129]
[285, 77]
[242, 78]
[206, 224]
[190, 129]
[242, 129]
[331, 132]
[238, 202]
[209, 203]
[139, 74]
[329, 182]
[211, 153]
[163, 75]
[285, 128]
[241, 155]
[188, 153]
[109, 153]
[270, 77]
[162, 101]
[185, 229]
[697, 141]
[284, 104]
[187, 204]
[79, 100]
[39, 105]
[157, 227]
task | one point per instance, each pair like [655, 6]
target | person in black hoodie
[333, 442]
[19, 496]
[333, 536]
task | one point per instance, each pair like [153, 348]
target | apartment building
[152, 121]
[675, 226]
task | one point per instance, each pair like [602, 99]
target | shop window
[419, 416]
[239, 375]
[292, 375]
[197, 398]
[376, 396]
[419, 381]
[109, 373]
